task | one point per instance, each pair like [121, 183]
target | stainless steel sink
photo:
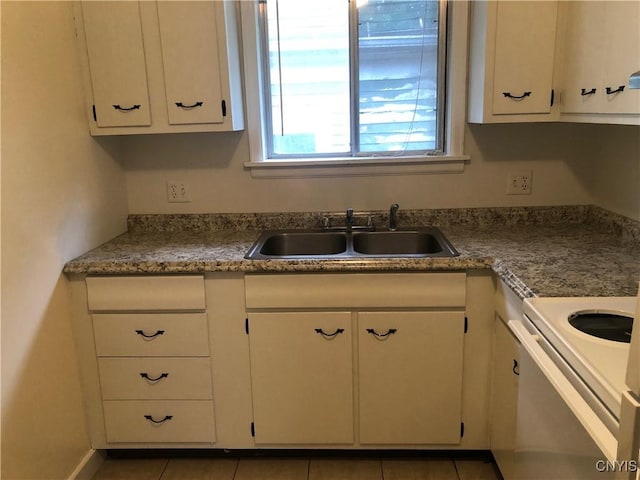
[400, 243]
[301, 244]
[285, 244]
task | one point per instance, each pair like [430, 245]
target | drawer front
[157, 421]
[155, 378]
[356, 290]
[151, 334]
[178, 292]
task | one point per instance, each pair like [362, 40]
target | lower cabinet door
[159, 421]
[410, 377]
[504, 405]
[302, 377]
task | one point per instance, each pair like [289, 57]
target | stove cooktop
[601, 363]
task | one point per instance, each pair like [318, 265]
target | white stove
[578, 418]
[601, 363]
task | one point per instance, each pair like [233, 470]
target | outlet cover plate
[177, 192]
[519, 182]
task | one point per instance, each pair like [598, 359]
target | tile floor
[297, 468]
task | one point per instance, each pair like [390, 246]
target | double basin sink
[327, 244]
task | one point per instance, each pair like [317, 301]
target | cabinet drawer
[151, 334]
[356, 290]
[155, 378]
[157, 421]
[176, 292]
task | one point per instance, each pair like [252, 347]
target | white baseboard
[89, 465]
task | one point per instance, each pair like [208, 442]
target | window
[339, 81]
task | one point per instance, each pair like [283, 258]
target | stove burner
[609, 326]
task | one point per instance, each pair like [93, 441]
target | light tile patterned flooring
[296, 468]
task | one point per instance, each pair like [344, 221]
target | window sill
[370, 166]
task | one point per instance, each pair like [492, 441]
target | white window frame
[452, 161]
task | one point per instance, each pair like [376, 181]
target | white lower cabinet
[410, 377]
[348, 371]
[304, 360]
[506, 371]
[301, 377]
[148, 372]
[505, 399]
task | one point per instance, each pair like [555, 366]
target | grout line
[235, 470]
[455, 466]
[164, 469]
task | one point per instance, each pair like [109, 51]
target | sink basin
[297, 244]
[398, 243]
[300, 244]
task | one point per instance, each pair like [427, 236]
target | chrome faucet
[393, 217]
[349, 220]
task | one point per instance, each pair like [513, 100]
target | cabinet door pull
[126, 109]
[584, 91]
[328, 335]
[193, 105]
[516, 367]
[146, 376]
[619, 89]
[142, 334]
[391, 331]
[152, 420]
[516, 97]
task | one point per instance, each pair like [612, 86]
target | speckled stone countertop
[537, 251]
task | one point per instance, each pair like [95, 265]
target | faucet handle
[349, 219]
[393, 216]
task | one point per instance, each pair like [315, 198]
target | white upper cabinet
[160, 67]
[118, 74]
[511, 64]
[601, 45]
[190, 62]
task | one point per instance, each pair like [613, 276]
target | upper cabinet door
[115, 51]
[191, 62]
[511, 61]
[584, 42]
[622, 56]
[524, 53]
[601, 45]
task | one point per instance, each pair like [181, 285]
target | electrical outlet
[519, 183]
[177, 192]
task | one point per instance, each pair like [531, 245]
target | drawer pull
[146, 376]
[584, 91]
[391, 331]
[193, 105]
[152, 420]
[516, 97]
[126, 109]
[611, 90]
[141, 333]
[329, 335]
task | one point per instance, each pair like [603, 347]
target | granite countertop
[577, 252]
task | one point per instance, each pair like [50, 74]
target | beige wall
[617, 172]
[62, 194]
[558, 154]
